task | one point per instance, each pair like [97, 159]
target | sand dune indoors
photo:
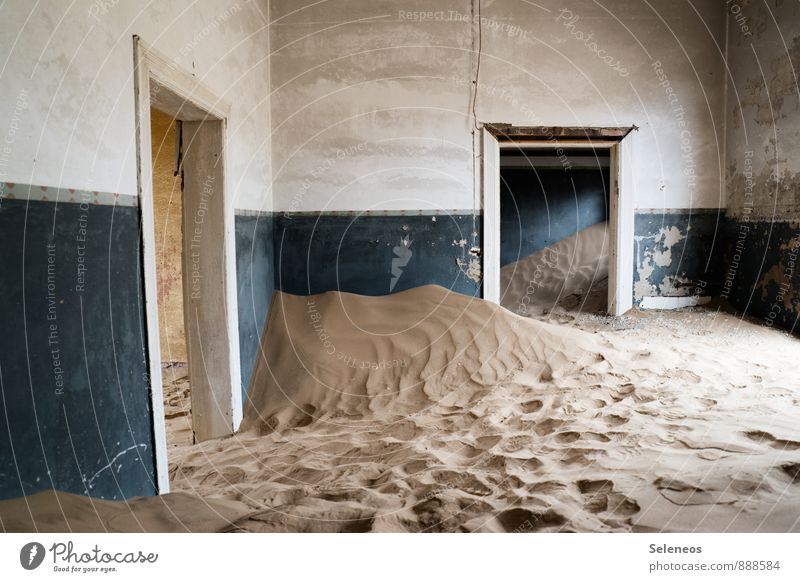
[431, 411]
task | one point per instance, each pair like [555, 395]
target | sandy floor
[434, 412]
[177, 405]
[572, 275]
[428, 411]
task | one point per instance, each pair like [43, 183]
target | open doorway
[611, 147]
[175, 109]
[168, 218]
[554, 230]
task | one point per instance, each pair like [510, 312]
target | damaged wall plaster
[371, 105]
[675, 254]
[763, 168]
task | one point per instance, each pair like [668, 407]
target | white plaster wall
[67, 112]
[365, 113]
[371, 108]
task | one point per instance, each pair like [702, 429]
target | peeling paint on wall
[765, 282]
[675, 254]
[471, 268]
[763, 137]
[653, 254]
[763, 176]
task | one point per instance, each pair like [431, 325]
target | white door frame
[160, 83]
[620, 275]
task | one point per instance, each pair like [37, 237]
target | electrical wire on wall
[477, 50]
[477, 47]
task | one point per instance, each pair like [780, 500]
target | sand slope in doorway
[573, 273]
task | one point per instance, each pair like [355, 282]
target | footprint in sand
[548, 426]
[707, 402]
[615, 420]
[520, 520]
[793, 470]
[547, 487]
[464, 481]
[766, 438]
[531, 406]
[572, 436]
[568, 437]
[487, 442]
[622, 392]
[600, 496]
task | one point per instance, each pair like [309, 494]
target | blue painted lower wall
[539, 209]
[678, 253]
[75, 409]
[762, 276]
[255, 282]
[374, 254]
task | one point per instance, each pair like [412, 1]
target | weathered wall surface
[374, 254]
[74, 372]
[364, 112]
[72, 105]
[763, 178]
[67, 126]
[373, 109]
[168, 217]
[678, 254]
[372, 101]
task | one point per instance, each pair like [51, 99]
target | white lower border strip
[13, 191]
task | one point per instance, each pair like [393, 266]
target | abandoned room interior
[400, 266]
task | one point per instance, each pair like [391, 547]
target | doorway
[554, 146]
[206, 252]
[165, 132]
[554, 208]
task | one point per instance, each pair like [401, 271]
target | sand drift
[572, 274]
[432, 411]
